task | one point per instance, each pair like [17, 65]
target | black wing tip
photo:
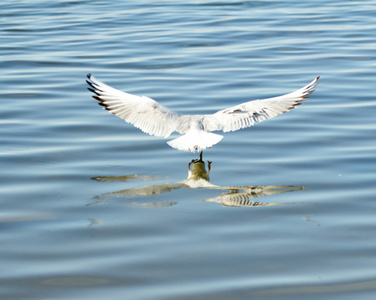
[98, 98]
[91, 84]
[94, 91]
[316, 81]
[309, 89]
[100, 102]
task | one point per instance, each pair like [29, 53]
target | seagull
[155, 119]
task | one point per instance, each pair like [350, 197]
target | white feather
[253, 112]
[195, 140]
[155, 119]
[143, 112]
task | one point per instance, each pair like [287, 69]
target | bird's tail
[195, 141]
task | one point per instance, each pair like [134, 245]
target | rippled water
[92, 208]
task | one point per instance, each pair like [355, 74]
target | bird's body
[155, 119]
[195, 137]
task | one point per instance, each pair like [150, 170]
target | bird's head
[198, 170]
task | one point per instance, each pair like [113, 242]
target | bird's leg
[209, 166]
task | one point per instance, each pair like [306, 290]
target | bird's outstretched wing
[143, 112]
[253, 112]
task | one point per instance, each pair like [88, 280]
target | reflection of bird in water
[155, 119]
[198, 170]
[198, 178]
[240, 196]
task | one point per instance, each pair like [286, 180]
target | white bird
[155, 119]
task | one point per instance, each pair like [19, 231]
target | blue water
[91, 207]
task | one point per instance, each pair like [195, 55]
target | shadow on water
[198, 178]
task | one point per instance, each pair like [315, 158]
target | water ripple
[193, 57]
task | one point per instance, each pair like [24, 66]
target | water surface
[73, 222]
